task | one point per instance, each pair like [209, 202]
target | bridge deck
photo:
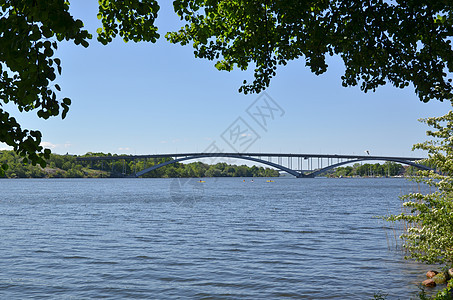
[285, 155]
[333, 160]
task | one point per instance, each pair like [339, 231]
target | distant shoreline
[67, 166]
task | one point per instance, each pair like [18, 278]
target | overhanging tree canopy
[397, 42]
[400, 42]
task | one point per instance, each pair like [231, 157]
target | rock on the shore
[431, 274]
[440, 278]
[429, 283]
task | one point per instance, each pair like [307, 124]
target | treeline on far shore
[66, 166]
[387, 169]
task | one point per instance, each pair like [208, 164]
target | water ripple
[118, 239]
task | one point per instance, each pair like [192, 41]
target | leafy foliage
[444, 294]
[30, 31]
[132, 20]
[400, 42]
[429, 237]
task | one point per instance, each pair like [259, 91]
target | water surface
[220, 239]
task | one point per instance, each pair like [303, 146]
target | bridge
[298, 165]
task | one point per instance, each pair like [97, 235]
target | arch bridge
[298, 165]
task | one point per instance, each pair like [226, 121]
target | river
[225, 238]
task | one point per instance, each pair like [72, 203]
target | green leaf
[67, 101]
[43, 163]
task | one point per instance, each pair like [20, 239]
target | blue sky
[158, 98]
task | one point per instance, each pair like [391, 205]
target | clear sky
[145, 98]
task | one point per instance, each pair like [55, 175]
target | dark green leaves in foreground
[29, 35]
[397, 42]
[30, 31]
[132, 20]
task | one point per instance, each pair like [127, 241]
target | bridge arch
[277, 166]
[256, 157]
